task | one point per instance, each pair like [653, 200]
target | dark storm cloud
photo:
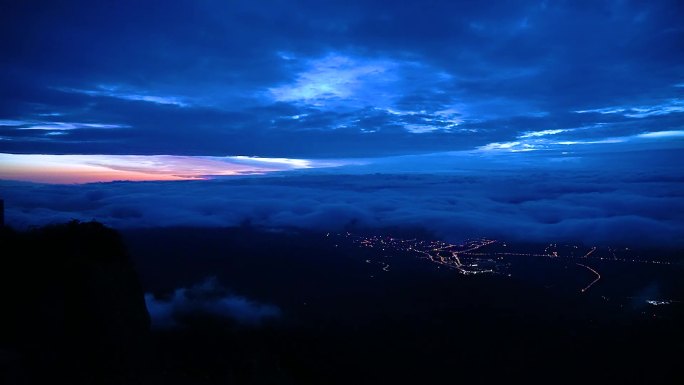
[334, 78]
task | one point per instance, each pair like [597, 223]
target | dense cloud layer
[569, 198]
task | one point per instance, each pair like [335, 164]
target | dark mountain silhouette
[74, 309]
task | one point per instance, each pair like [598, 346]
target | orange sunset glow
[74, 169]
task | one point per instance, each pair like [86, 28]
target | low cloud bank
[587, 204]
[206, 298]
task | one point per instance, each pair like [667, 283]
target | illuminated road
[589, 253]
[478, 246]
[458, 260]
[598, 276]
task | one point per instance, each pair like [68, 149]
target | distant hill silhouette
[73, 308]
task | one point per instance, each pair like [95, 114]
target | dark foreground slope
[245, 306]
[72, 305]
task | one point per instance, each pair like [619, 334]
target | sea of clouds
[587, 204]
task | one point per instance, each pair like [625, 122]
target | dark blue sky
[339, 79]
